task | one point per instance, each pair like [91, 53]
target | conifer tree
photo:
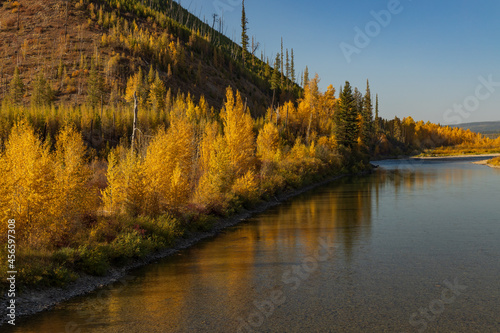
[42, 92]
[95, 86]
[244, 34]
[275, 78]
[16, 89]
[292, 68]
[282, 72]
[346, 126]
[287, 66]
[157, 94]
[367, 116]
[306, 77]
[151, 75]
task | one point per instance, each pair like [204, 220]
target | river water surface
[414, 247]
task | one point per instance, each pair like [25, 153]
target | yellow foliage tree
[168, 166]
[268, 142]
[26, 186]
[215, 166]
[72, 174]
[238, 131]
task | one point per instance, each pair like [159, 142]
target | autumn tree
[157, 94]
[27, 186]
[168, 164]
[238, 132]
[72, 175]
[137, 84]
[268, 142]
[215, 167]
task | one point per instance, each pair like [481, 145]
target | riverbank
[492, 163]
[471, 158]
[33, 301]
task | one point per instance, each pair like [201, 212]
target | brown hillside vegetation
[60, 38]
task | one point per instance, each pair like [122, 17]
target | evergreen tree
[281, 54]
[157, 94]
[306, 77]
[358, 98]
[95, 86]
[367, 116]
[377, 120]
[292, 69]
[346, 127]
[275, 79]
[151, 75]
[16, 89]
[244, 34]
[42, 92]
[287, 66]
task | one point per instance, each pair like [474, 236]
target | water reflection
[387, 250]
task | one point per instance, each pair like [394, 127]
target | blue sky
[434, 60]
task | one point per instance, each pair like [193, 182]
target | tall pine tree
[306, 77]
[346, 127]
[244, 34]
[367, 117]
[16, 89]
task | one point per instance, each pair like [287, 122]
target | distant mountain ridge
[483, 127]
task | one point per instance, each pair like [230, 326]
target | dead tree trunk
[134, 128]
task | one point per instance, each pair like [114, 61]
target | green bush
[65, 256]
[93, 260]
[165, 227]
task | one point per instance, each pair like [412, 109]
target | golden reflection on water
[216, 281]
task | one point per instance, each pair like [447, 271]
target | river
[414, 247]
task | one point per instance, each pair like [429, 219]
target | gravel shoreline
[37, 300]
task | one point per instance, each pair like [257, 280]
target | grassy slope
[41, 44]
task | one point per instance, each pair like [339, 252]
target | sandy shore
[472, 158]
[38, 300]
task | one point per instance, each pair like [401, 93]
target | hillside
[487, 128]
[61, 38]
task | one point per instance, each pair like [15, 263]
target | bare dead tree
[134, 127]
